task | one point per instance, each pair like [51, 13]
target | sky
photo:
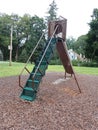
[77, 12]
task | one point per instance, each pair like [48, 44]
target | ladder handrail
[44, 52]
[33, 52]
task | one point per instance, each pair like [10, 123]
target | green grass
[86, 70]
[80, 70]
[16, 68]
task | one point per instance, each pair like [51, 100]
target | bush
[89, 64]
[76, 63]
[55, 62]
[23, 57]
[84, 63]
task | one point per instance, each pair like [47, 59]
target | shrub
[23, 56]
[76, 63]
[55, 62]
[89, 64]
[84, 63]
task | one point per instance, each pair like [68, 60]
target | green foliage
[55, 62]
[4, 34]
[52, 12]
[92, 37]
[23, 57]
[36, 54]
[37, 27]
[84, 63]
[26, 31]
[80, 44]
[52, 15]
[70, 42]
[89, 64]
[76, 62]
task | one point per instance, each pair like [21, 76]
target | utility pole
[11, 38]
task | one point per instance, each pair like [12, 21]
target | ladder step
[42, 63]
[28, 88]
[35, 81]
[32, 83]
[27, 91]
[29, 98]
[41, 69]
[37, 74]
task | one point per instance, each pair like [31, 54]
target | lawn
[16, 68]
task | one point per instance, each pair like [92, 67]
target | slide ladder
[31, 87]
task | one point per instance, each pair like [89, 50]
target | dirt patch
[57, 107]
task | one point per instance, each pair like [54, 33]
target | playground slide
[30, 89]
[63, 54]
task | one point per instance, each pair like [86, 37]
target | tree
[6, 21]
[80, 44]
[52, 15]
[91, 50]
[22, 33]
[15, 19]
[4, 34]
[37, 27]
[23, 56]
[70, 42]
[26, 33]
[52, 12]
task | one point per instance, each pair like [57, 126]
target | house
[74, 56]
